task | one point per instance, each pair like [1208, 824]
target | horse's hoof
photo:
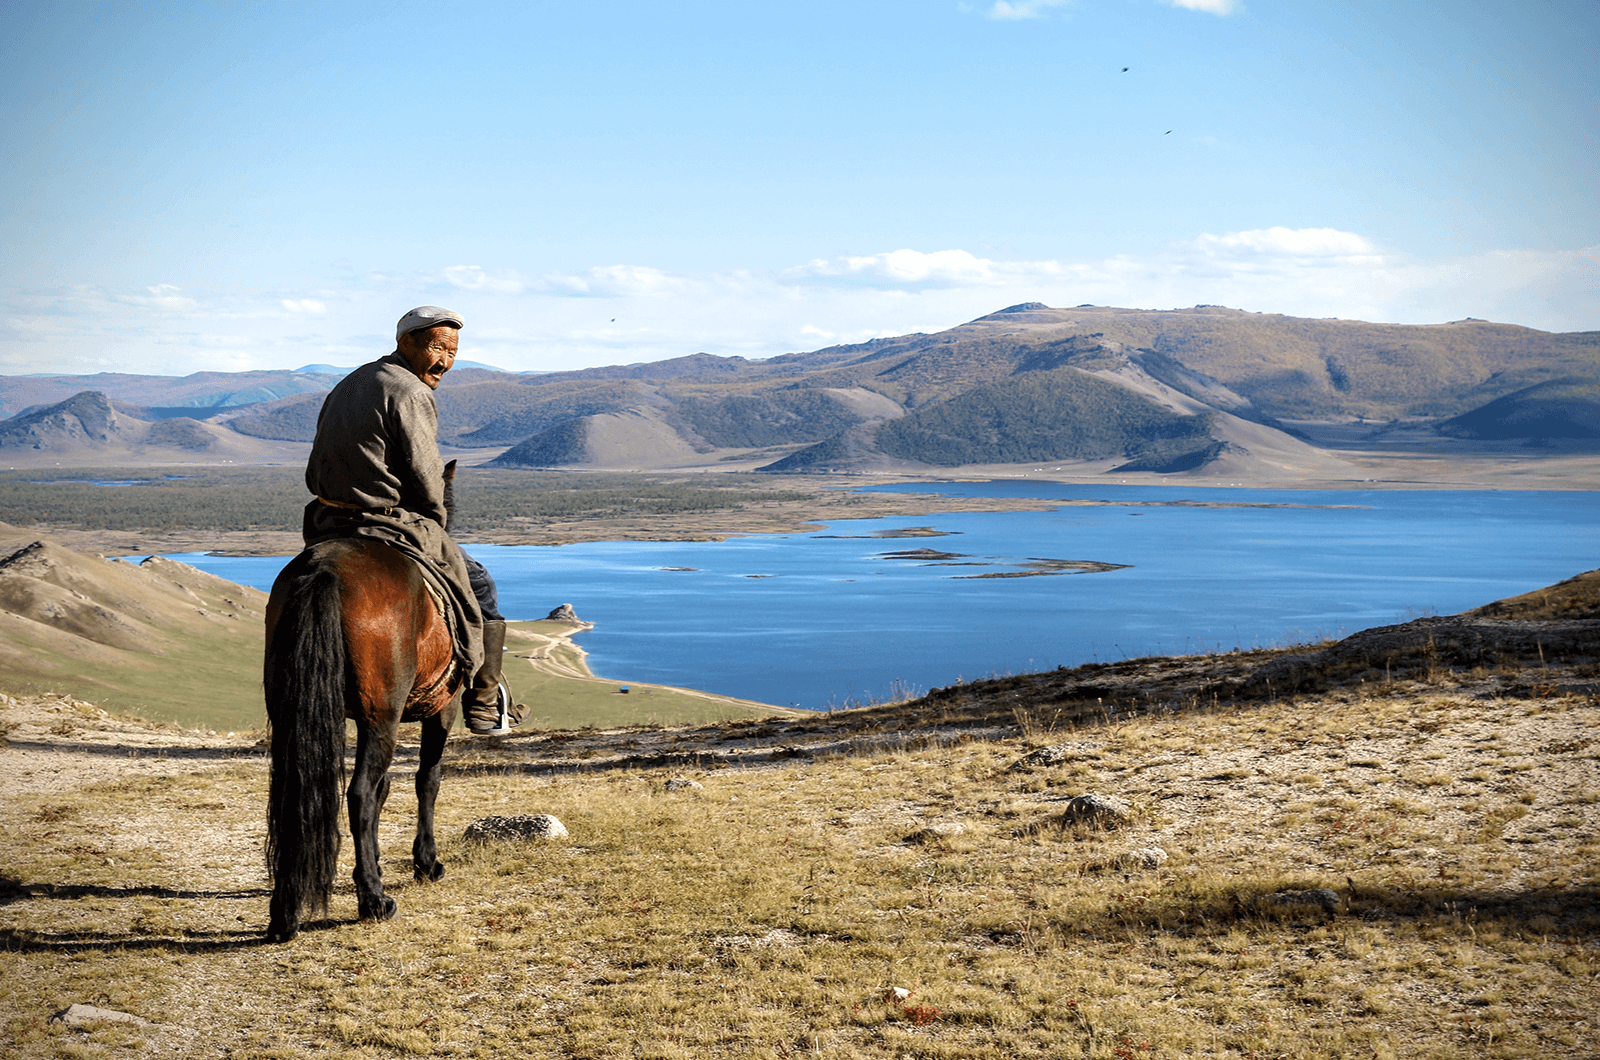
[281, 933]
[383, 909]
[429, 875]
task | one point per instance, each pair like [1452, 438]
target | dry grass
[774, 911]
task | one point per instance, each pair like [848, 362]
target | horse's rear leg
[424, 854]
[368, 787]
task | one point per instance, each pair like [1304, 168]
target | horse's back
[370, 578]
[393, 632]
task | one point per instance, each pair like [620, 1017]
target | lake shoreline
[855, 615]
[830, 498]
[795, 517]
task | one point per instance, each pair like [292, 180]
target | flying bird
[1167, 133]
[1124, 69]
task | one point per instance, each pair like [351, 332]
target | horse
[353, 631]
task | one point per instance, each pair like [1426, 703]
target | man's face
[430, 353]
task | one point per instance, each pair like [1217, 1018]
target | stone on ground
[519, 826]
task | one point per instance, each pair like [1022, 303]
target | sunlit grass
[777, 911]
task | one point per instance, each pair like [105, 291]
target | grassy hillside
[1298, 368]
[778, 417]
[291, 419]
[163, 640]
[160, 640]
[549, 673]
[565, 443]
[500, 411]
[1052, 415]
[1561, 408]
[1290, 367]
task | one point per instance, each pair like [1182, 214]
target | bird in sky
[1124, 69]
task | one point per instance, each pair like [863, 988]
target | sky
[232, 186]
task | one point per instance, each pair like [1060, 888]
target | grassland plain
[257, 510]
[893, 881]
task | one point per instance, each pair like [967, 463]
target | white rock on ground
[520, 826]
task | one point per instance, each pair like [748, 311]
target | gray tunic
[376, 459]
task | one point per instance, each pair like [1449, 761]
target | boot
[487, 703]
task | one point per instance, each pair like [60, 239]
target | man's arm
[415, 458]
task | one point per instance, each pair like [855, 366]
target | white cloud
[1210, 7]
[915, 270]
[1013, 10]
[1292, 242]
[473, 278]
[163, 296]
[613, 281]
[620, 314]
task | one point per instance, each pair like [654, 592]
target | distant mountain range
[1164, 391]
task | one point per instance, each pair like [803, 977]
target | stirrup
[504, 723]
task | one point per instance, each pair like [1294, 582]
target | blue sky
[228, 186]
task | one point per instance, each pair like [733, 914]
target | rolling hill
[158, 638]
[1160, 391]
[1560, 408]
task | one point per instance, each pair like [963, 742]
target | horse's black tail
[305, 678]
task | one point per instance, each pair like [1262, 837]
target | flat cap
[426, 316]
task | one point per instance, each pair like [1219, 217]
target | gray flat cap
[426, 316]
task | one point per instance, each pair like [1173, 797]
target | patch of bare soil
[53, 743]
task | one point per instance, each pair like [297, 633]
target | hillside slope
[159, 638]
[91, 429]
[166, 641]
[987, 393]
[1560, 408]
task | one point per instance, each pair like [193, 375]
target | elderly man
[376, 472]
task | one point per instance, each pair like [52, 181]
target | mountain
[1018, 386]
[1166, 392]
[201, 390]
[1560, 408]
[84, 418]
[630, 439]
[89, 428]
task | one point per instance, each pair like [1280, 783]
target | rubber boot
[487, 703]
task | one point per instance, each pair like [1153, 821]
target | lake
[825, 620]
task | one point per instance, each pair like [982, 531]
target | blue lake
[820, 620]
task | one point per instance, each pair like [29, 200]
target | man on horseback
[375, 471]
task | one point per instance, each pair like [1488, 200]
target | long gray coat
[376, 458]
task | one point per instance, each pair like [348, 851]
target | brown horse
[352, 632]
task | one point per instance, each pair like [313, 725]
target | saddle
[428, 700]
